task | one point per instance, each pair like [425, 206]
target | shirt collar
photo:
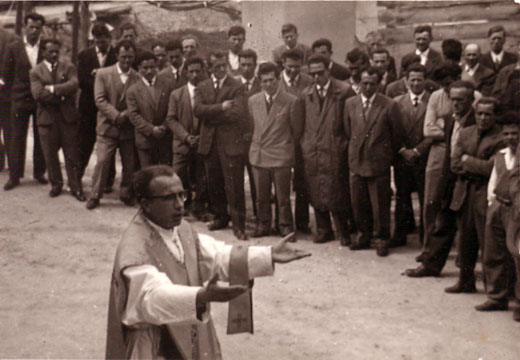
[27, 43]
[99, 51]
[174, 69]
[498, 56]
[267, 96]
[48, 64]
[370, 101]
[474, 68]
[422, 53]
[287, 79]
[220, 82]
[191, 87]
[121, 71]
[324, 87]
[147, 83]
[420, 96]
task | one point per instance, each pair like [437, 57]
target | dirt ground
[56, 260]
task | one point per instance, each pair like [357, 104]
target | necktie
[415, 101]
[269, 102]
[248, 85]
[291, 83]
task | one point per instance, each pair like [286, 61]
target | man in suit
[147, 102]
[410, 165]
[324, 47]
[54, 84]
[399, 86]
[506, 77]
[294, 82]
[236, 39]
[33, 47]
[472, 161]
[429, 57]
[175, 70]
[497, 250]
[461, 95]
[159, 50]
[373, 123]
[497, 58]
[357, 61]
[18, 139]
[16, 103]
[276, 123]
[380, 58]
[290, 39]
[474, 71]
[220, 106]
[248, 59]
[190, 46]
[324, 150]
[89, 62]
[114, 129]
[375, 40]
[128, 32]
[185, 126]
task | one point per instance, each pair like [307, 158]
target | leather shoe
[492, 306]
[304, 229]
[459, 287]
[382, 248]
[78, 195]
[420, 271]
[344, 240]
[516, 314]
[360, 242]
[55, 191]
[260, 232]
[11, 184]
[321, 238]
[92, 203]
[240, 234]
[217, 224]
[41, 179]
[128, 201]
[420, 258]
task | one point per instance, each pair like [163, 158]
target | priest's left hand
[283, 253]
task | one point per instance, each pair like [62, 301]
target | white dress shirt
[220, 82]
[123, 75]
[49, 67]
[364, 99]
[471, 71]
[497, 58]
[423, 55]
[101, 57]
[418, 97]
[191, 91]
[233, 60]
[509, 157]
[355, 86]
[288, 80]
[247, 83]
[322, 90]
[32, 51]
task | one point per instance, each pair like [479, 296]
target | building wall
[335, 20]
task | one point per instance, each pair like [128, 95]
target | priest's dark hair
[142, 179]
[267, 68]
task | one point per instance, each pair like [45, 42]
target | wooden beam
[487, 11]
[85, 25]
[432, 4]
[19, 18]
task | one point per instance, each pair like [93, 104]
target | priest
[159, 306]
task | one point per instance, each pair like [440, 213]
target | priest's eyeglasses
[181, 196]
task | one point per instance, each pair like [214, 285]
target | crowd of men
[447, 123]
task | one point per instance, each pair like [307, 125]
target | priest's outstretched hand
[283, 253]
[213, 292]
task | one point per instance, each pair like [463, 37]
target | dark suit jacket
[255, 88]
[502, 82]
[110, 97]
[374, 141]
[339, 72]
[224, 128]
[483, 79]
[180, 119]
[275, 133]
[304, 81]
[14, 73]
[413, 122]
[446, 184]
[87, 63]
[480, 149]
[176, 82]
[147, 111]
[508, 59]
[434, 60]
[398, 87]
[62, 103]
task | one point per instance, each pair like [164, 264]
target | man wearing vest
[497, 250]
[158, 306]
